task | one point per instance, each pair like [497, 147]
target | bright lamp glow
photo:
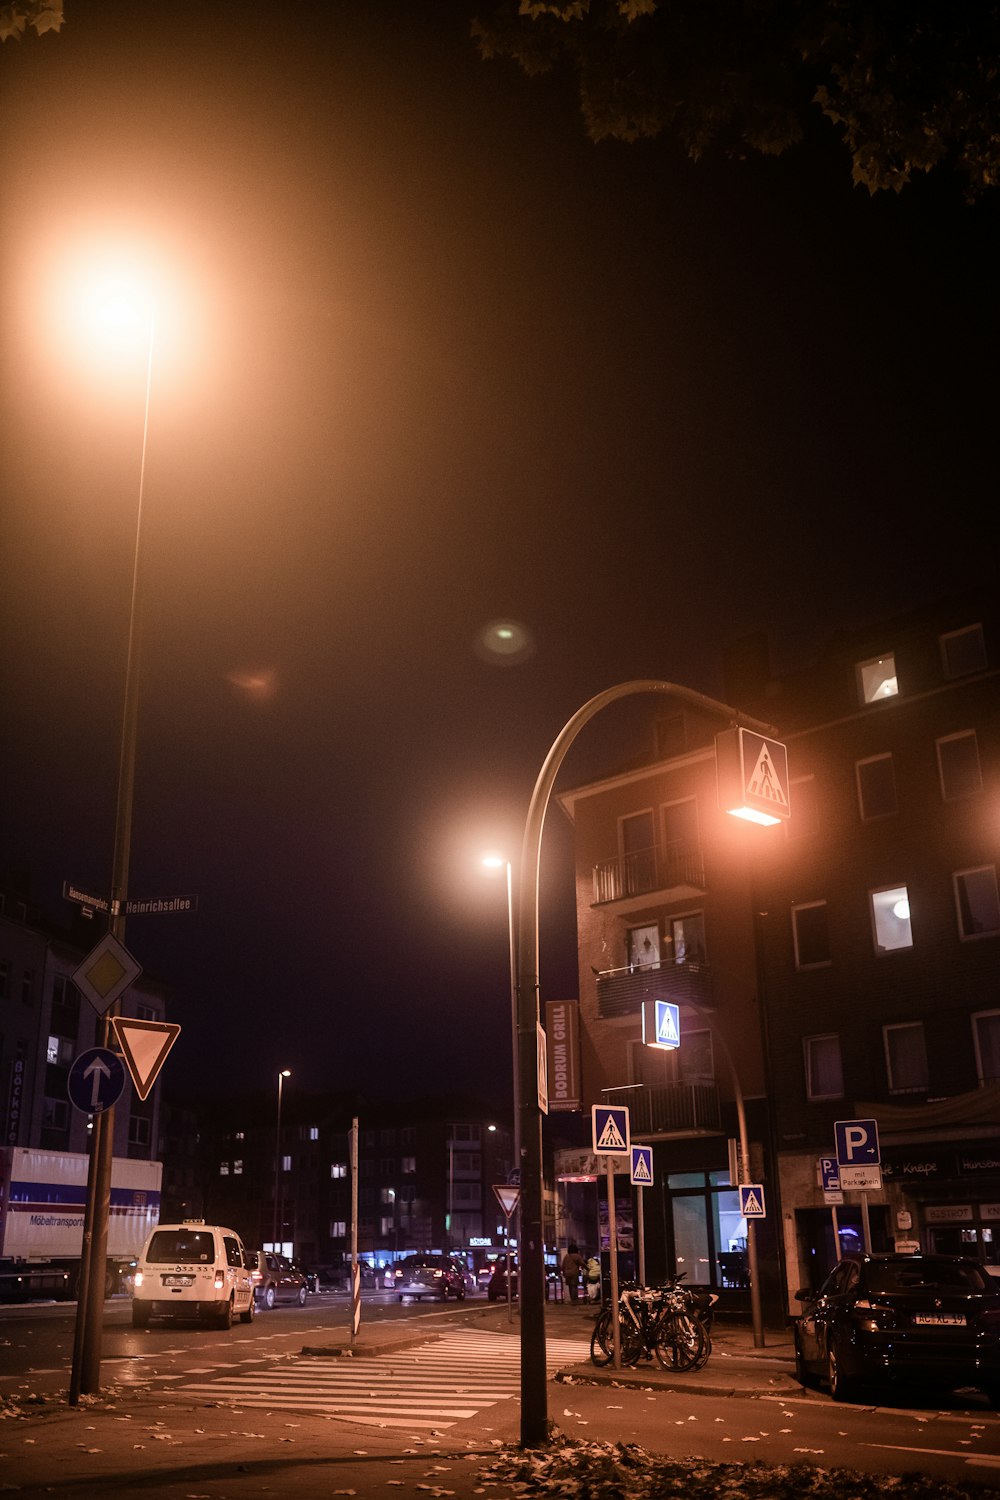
[751, 815]
[493, 861]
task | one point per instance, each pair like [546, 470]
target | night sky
[426, 360]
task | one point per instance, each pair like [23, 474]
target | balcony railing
[621, 992]
[677, 866]
[669, 1108]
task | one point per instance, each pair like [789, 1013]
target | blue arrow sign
[95, 1080]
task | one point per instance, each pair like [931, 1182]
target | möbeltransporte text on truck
[43, 1197]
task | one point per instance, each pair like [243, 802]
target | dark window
[810, 930]
[977, 902]
[958, 762]
[963, 651]
[876, 787]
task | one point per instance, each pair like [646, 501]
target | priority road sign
[144, 1045]
[642, 1166]
[96, 1080]
[106, 973]
[661, 1024]
[752, 1200]
[857, 1143]
[610, 1127]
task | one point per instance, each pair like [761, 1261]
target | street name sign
[752, 1200]
[106, 973]
[642, 1166]
[135, 906]
[144, 1045]
[96, 1080]
[611, 1130]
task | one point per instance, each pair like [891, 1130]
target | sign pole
[355, 1264]
[641, 1227]
[616, 1326]
[866, 1223]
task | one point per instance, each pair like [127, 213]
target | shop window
[958, 766]
[986, 1034]
[824, 1067]
[877, 679]
[876, 787]
[977, 902]
[890, 909]
[905, 1057]
[963, 651]
[811, 935]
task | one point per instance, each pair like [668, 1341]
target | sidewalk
[177, 1447]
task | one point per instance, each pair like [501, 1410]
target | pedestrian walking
[572, 1269]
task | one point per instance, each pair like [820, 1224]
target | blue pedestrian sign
[611, 1132]
[752, 1200]
[96, 1080]
[661, 1024]
[642, 1166]
[857, 1143]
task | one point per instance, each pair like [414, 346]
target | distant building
[840, 966]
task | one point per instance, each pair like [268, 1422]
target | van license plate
[177, 1281]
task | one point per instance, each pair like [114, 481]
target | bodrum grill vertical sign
[562, 1027]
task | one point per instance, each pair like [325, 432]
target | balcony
[675, 871]
[663, 1109]
[621, 992]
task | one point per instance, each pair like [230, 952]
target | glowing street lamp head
[117, 307]
[493, 862]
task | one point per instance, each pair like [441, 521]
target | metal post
[866, 1223]
[531, 1284]
[85, 1374]
[616, 1322]
[641, 1231]
[278, 1216]
[355, 1263]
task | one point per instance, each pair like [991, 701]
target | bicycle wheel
[680, 1342]
[602, 1350]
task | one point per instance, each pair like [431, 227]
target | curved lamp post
[531, 1258]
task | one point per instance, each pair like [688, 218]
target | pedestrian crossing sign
[610, 1126]
[642, 1166]
[661, 1024]
[752, 1200]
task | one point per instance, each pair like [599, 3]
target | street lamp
[531, 1256]
[278, 1213]
[118, 312]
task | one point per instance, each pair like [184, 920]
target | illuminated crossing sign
[611, 1132]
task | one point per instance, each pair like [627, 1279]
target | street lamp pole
[531, 1285]
[496, 862]
[278, 1210]
[85, 1375]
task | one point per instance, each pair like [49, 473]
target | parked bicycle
[660, 1322]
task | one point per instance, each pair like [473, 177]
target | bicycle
[653, 1321]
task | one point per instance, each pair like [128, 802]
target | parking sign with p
[857, 1143]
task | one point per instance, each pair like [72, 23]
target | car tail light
[220, 1279]
[137, 1279]
[438, 1271]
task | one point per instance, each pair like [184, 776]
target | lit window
[877, 679]
[644, 947]
[338, 1169]
[387, 1226]
[338, 1229]
[905, 1057]
[687, 934]
[876, 787]
[224, 1169]
[958, 765]
[890, 910]
[824, 1068]
[408, 1165]
[977, 902]
[811, 935]
[314, 1132]
[986, 1034]
[237, 1168]
[963, 651]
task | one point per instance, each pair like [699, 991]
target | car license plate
[177, 1280]
[952, 1320]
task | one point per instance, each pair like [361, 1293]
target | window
[824, 1069]
[146, 1013]
[223, 1169]
[811, 935]
[986, 1034]
[408, 1165]
[963, 651]
[60, 1051]
[408, 1136]
[876, 787]
[237, 1168]
[338, 1169]
[905, 1057]
[890, 910]
[976, 901]
[138, 1131]
[644, 947]
[27, 986]
[386, 1166]
[338, 1229]
[958, 765]
[387, 1139]
[286, 1163]
[687, 934]
[387, 1195]
[387, 1225]
[695, 1059]
[877, 679]
[638, 837]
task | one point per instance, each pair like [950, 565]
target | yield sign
[508, 1196]
[144, 1045]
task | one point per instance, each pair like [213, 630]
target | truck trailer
[43, 1197]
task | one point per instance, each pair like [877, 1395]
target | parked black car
[929, 1319]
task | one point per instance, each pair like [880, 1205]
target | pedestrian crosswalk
[433, 1385]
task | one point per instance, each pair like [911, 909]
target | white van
[193, 1270]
